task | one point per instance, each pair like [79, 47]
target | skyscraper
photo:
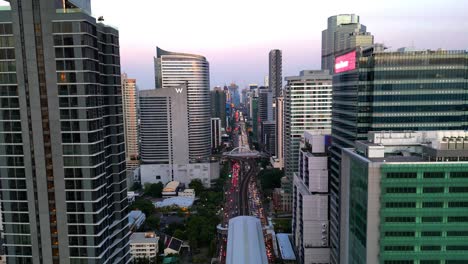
[218, 105]
[307, 106]
[235, 94]
[164, 127]
[275, 76]
[268, 139]
[275, 83]
[266, 123]
[173, 69]
[62, 163]
[278, 160]
[405, 198]
[164, 131]
[374, 90]
[343, 32]
[265, 104]
[129, 101]
[215, 132]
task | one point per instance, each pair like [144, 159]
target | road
[242, 191]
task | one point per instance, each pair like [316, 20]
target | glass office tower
[375, 90]
[62, 151]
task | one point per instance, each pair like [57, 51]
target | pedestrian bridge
[242, 152]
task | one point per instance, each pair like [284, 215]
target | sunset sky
[236, 36]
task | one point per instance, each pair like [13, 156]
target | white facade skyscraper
[173, 69]
[307, 106]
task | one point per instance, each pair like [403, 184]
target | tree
[197, 185]
[282, 225]
[270, 178]
[152, 222]
[153, 189]
[136, 186]
[178, 233]
[146, 206]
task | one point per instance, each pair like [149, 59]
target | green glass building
[377, 90]
[405, 199]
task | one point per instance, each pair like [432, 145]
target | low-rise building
[171, 189]
[136, 218]
[187, 193]
[144, 245]
[131, 196]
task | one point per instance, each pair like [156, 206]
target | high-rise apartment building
[307, 106]
[275, 73]
[375, 90]
[343, 32]
[218, 105]
[173, 69]
[129, 102]
[310, 224]
[405, 198]
[62, 162]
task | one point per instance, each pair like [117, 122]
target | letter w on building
[179, 90]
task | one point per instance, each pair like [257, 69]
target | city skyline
[236, 47]
[395, 23]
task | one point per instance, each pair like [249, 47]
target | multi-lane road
[242, 193]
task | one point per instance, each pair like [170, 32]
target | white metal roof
[245, 241]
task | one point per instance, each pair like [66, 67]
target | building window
[431, 219]
[433, 175]
[433, 189]
[459, 174]
[401, 175]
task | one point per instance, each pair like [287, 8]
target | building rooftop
[180, 201]
[410, 146]
[160, 52]
[311, 74]
[134, 215]
[144, 237]
[171, 186]
[285, 247]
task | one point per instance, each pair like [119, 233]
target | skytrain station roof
[245, 241]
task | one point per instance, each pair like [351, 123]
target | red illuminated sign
[345, 62]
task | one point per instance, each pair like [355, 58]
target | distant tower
[343, 32]
[275, 77]
[129, 101]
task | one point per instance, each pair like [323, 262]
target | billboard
[345, 62]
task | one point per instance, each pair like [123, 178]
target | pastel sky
[236, 36]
